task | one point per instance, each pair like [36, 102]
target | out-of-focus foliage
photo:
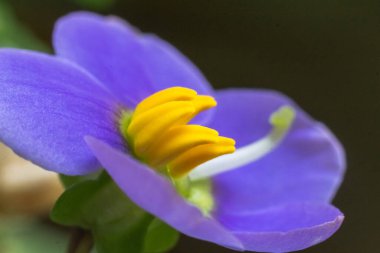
[96, 4]
[29, 236]
[15, 34]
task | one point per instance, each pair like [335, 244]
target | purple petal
[47, 105]
[156, 195]
[307, 166]
[130, 65]
[285, 228]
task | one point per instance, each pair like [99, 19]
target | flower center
[159, 134]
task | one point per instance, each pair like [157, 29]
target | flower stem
[81, 242]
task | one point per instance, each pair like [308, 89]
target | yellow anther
[177, 140]
[158, 125]
[163, 96]
[142, 120]
[184, 163]
[226, 141]
[158, 134]
[202, 103]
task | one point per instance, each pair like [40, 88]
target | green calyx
[124, 121]
[116, 224]
[198, 193]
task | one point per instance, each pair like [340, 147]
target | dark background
[323, 54]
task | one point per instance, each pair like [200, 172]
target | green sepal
[160, 237]
[69, 181]
[98, 205]
[115, 222]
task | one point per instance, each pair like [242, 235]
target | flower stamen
[163, 96]
[200, 154]
[177, 140]
[158, 133]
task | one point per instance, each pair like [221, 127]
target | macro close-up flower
[246, 169]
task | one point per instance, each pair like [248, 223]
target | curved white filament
[281, 120]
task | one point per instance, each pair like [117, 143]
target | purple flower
[62, 113]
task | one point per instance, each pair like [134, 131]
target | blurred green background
[323, 54]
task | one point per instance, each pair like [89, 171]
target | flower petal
[285, 228]
[307, 166]
[47, 105]
[156, 195]
[131, 65]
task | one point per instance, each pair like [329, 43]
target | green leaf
[160, 237]
[69, 181]
[98, 205]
